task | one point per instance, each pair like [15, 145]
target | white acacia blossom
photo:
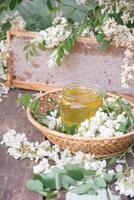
[3, 59]
[108, 7]
[16, 20]
[54, 35]
[125, 185]
[123, 36]
[102, 125]
[19, 148]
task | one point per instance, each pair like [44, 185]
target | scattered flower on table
[125, 185]
[19, 148]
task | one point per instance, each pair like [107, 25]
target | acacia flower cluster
[102, 125]
[3, 60]
[125, 185]
[122, 36]
[57, 33]
[116, 25]
[19, 148]
[53, 37]
[52, 120]
[16, 20]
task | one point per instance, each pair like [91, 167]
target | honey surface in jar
[78, 104]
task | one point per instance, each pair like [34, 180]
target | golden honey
[79, 103]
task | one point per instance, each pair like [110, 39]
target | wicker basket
[100, 147]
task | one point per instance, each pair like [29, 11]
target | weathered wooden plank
[14, 173]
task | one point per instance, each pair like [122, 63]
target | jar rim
[91, 87]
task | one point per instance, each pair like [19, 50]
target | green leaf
[57, 170]
[12, 4]
[58, 60]
[104, 94]
[82, 189]
[71, 167]
[118, 175]
[19, 1]
[6, 26]
[58, 181]
[71, 130]
[2, 7]
[43, 193]
[34, 106]
[76, 174]
[100, 182]
[112, 161]
[70, 20]
[92, 5]
[48, 195]
[67, 181]
[34, 185]
[26, 100]
[92, 192]
[41, 46]
[88, 172]
[108, 178]
[48, 181]
[49, 5]
[100, 38]
[51, 195]
[122, 127]
[105, 45]
[53, 11]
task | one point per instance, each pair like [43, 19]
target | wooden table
[14, 173]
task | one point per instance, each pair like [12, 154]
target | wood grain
[14, 173]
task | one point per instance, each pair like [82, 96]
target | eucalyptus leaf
[68, 181]
[71, 166]
[34, 185]
[100, 182]
[48, 181]
[108, 177]
[76, 174]
[58, 181]
[82, 189]
[88, 172]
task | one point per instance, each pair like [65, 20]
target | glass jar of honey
[79, 103]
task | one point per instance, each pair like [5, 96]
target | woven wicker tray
[100, 147]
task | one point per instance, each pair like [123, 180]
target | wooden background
[86, 64]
